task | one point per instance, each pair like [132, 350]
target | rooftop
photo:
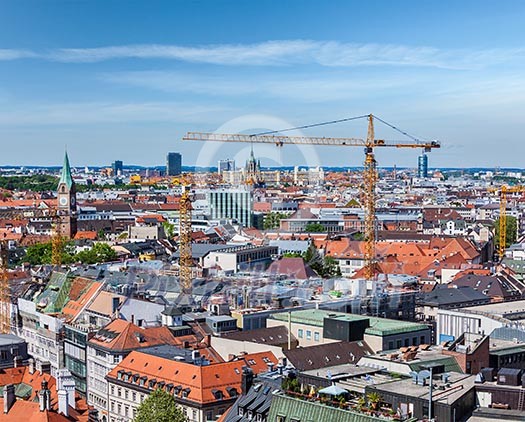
[510, 310]
[456, 387]
[378, 326]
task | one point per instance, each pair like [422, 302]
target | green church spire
[65, 176]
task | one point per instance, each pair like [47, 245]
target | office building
[173, 164]
[422, 166]
[118, 167]
[225, 165]
[231, 204]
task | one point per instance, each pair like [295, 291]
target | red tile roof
[120, 335]
[28, 410]
[200, 380]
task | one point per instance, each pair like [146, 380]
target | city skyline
[128, 80]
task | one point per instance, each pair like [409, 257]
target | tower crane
[370, 176]
[5, 293]
[503, 191]
[57, 242]
[185, 260]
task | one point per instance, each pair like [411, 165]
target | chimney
[16, 361]
[280, 368]
[44, 397]
[31, 366]
[115, 304]
[62, 403]
[69, 386]
[246, 379]
[93, 415]
[9, 397]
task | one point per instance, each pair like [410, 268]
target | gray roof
[449, 296]
[9, 339]
[199, 250]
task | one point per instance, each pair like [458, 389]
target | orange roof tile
[200, 380]
[124, 335]
[88, 235]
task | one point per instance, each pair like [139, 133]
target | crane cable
[331, 122]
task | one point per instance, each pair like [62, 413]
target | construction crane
[5, 292]
[503, 191]
[57, 243]
[370, 176]
[185, 259]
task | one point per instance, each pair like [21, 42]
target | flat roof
[378, 326]
[422, 358]
[501, 309]
[449, 395]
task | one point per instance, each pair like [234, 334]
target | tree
[272, 220]
[326, 267]
[511, 232]
[38, 254]
[160, 406]
[169, 229]
[41, 253]
[330, 267]
[100, 252]
[374, 399]
[314, 228]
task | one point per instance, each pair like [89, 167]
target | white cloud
[101, 112]
[286, 52]
[297, 87]
[9, 54]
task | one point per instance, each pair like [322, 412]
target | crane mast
[370, 177]
[5, 294]
[369, 201]
[503, 191]
[185, 259]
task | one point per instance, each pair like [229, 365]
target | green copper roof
[378, 326]
[65, 176]
[301, 410]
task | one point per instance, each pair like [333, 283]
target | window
[281, 418]
[112, 390]
[422, 340]
[119, 392]
[308, 335]
[407, 342]
[119, 408]
[316, 336]
[300, 333]
[134, 396]
[390, 345]
[414, 341]
[398, 344]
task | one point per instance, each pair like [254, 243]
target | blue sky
[126, 79]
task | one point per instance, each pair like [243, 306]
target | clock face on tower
[63, 201]
[73, 201]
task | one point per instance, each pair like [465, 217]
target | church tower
[252, 171]
[67, 202]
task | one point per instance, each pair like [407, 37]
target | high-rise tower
[422, 166]
[67, 202]
[173, 164]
